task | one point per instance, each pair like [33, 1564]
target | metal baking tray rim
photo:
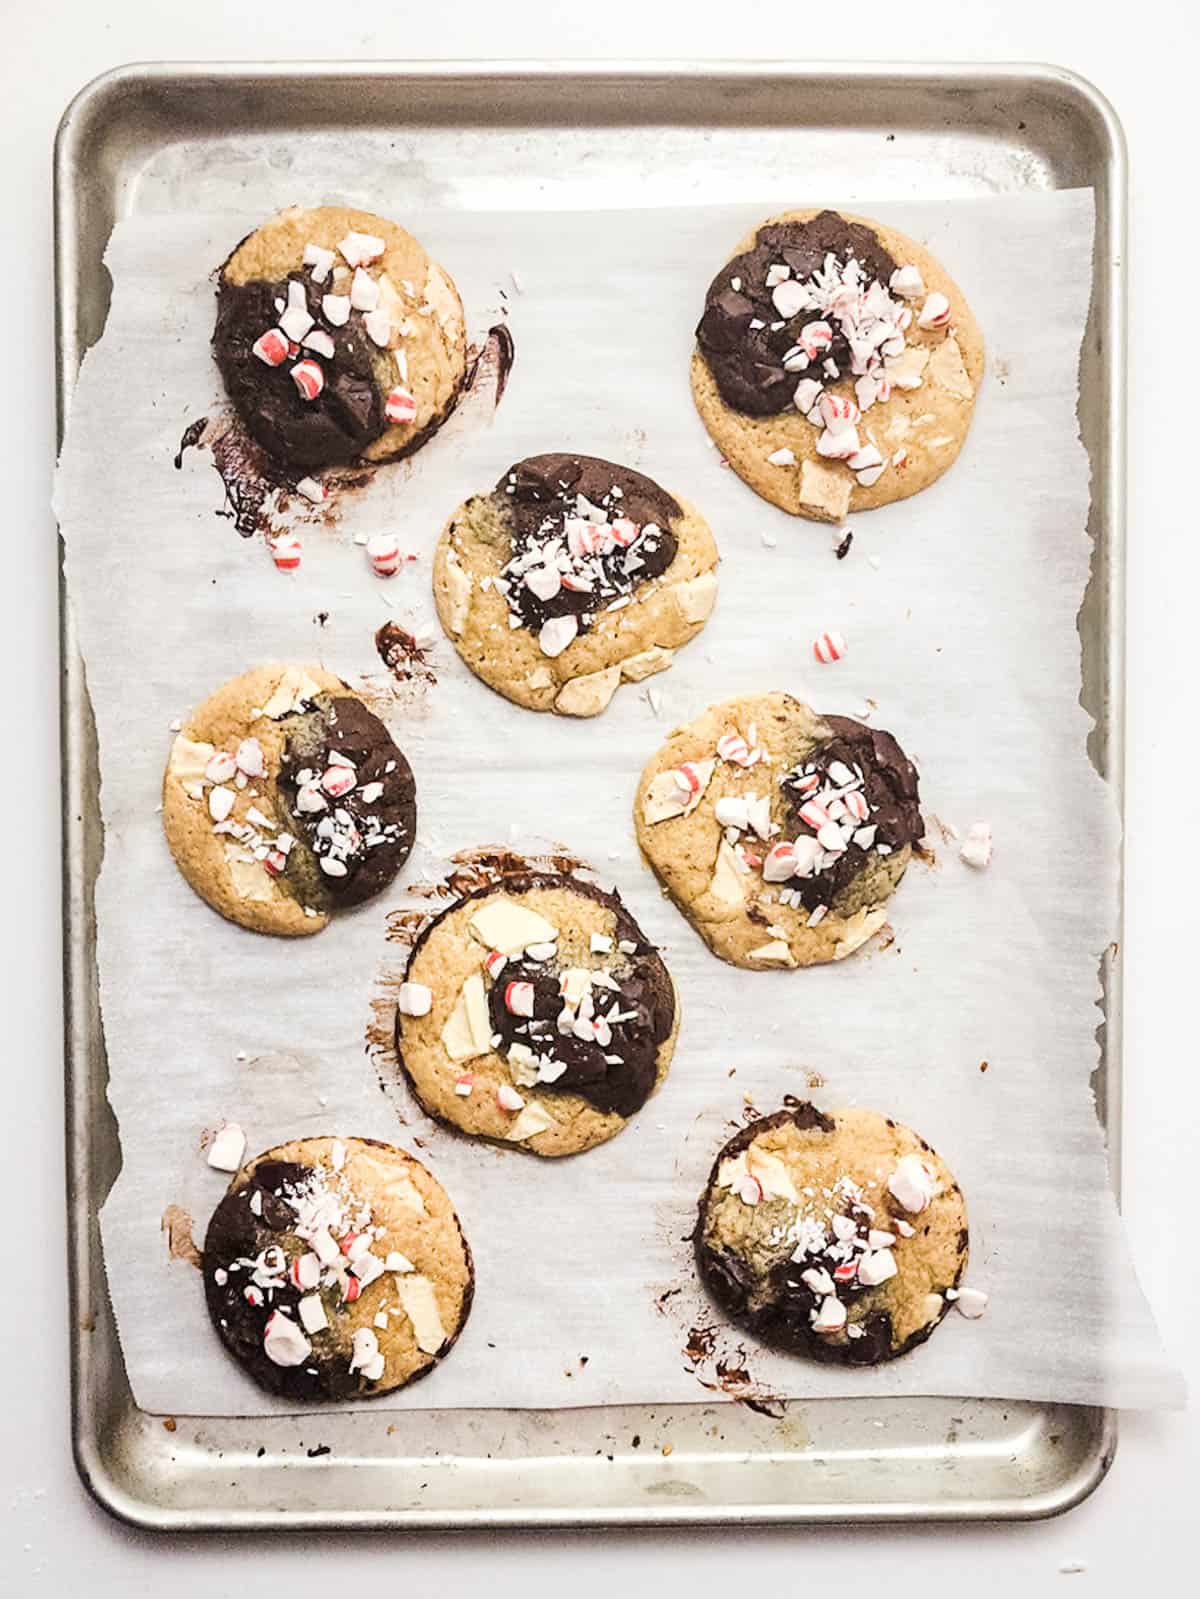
[94, 1438]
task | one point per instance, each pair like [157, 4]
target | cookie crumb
[667, 1449]
[170, 1423]
[841, 547]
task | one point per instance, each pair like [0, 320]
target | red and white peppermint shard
[338, 780]
[829, 647]
[780, 863]
[815, 339]
[221, 767]
[838, 412]
[689, 778]
[814, 813]
[508, 1099]
[733, 747]
[935, 313]
[383, 552]
[272, 348]
[518, 999]
[749, 1190]
[286, 552]
[308, 378]
[495, 963]
[250, 758]
[856, 804]
[400, 406]
[624, 532]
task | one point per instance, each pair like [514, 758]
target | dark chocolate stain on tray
[492, 362]
[405, 659]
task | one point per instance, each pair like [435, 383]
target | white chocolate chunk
[947, 369]
[695, 597]
[532, 1120]
[776, 953]
[646, 663]
[458, 588]
[250, 880]
[824, 491]
[859, 927]
[188, 759]
[467, 1032]
[541, 677]
[510, 927]
[728, 884]
[907, 369]
[665, 798]
[227, 1148]
[419, 1304]
[588, 695]
[405, 1192]
[294, 690]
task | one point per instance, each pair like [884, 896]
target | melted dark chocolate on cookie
[891, 788]
[368, 833]
[778, 1307]
[542, 493]
[617, 1076]
[345, 417]
[746, 361]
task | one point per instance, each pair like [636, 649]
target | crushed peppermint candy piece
[976, 847]
[379, 326]
[969, 1302]
[907, 283]
[283, 1342]
[935, 313]
[464, 1085]
[508, 1099]
[335, 308]
[829, 647]
[400, 406]
[227, 1148]
[220, 802]
[250, 759]
[784, 457]
[308, 378]
[830, 1317]
[364, 291]
[360, 249]
[556, 634]
[876, 1268]
[311, 489]
[383, 552]
[272, 348]
[319, 342]
[414, 999]
[366, 1355]
[912, 1183]
[287, 551]
[320, 260]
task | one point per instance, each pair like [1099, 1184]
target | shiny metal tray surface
[520, 133]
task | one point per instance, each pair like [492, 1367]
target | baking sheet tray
[520, 133]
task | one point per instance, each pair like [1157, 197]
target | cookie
[285, 800]
[837, 364]
[780, 834]
[337, 337]
[835, 1235]
[536, 1014]
[336, 1269]
[572, 576]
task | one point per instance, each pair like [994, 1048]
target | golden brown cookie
[780, 834]
[837, 364]
[842, 1236]
[285, 800]
[338, 338]
[536, 1014]
[336, 1268]
[572, 576]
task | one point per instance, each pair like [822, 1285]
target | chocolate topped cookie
[781, 835]
[336, 1269]
[285, 800]
[337, 337]
[571, 576]
[536, 1013]
[842, 1236]
[836, 365]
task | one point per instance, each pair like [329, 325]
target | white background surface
[1138, 1525]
